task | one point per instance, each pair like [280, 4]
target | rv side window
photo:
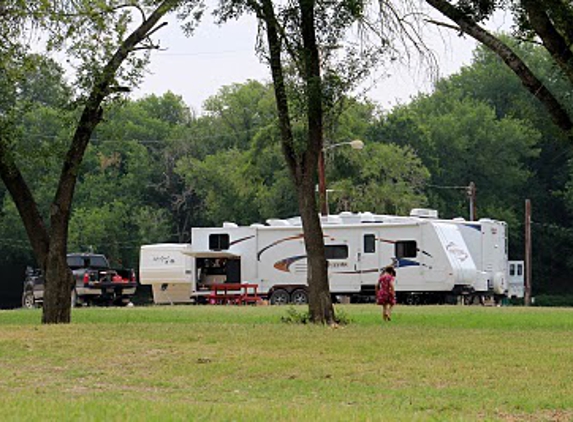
[369, 243]
[218, 242]
[336, 251]
[512, 270]
[519, 269]
[406, 249]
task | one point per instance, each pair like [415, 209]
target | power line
[95, 140]
[201, 53]
[446, 187]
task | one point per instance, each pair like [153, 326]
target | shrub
[295, 317]
[303, 317]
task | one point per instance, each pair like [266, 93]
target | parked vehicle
[516, 280]
[95, 282]
[436, 260]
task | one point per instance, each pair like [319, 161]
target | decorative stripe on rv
[285, 239]
[242, 239]
[277, 242]
[408, 263]
[284, 264]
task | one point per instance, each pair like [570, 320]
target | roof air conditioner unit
[424, 213]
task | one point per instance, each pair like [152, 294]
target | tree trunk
[58, 285]
[320, 301]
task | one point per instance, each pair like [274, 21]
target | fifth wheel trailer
[435, 259]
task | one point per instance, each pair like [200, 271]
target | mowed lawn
[241, 363]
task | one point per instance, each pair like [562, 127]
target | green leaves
[385, 179]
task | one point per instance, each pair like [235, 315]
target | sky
[197, 67]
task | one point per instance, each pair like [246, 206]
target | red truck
[96, 282]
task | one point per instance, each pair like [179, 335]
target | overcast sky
[197, 67]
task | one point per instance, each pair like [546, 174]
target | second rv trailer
[434, 258]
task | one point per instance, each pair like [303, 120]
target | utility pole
[527, 298]
[471, 191]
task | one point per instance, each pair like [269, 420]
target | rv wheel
[299, 297]
[279, 297]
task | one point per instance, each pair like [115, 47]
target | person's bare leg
[389, 313]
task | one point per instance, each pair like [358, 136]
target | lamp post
[323, 199]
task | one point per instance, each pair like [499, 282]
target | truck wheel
[279, 297]
[122, 301]
[76, 301]
[28, 300]
[299, 297]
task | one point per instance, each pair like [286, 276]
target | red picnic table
[233, 294]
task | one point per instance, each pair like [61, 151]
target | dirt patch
[542, 415]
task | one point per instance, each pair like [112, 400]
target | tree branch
[444, 24]
[557, 112]
[92, 115]
[268, 16]
[312, 77]
[24, 201]
[553, 42]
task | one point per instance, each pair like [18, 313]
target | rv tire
[279, 297]
[299, 297]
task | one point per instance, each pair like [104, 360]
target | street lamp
[354, 144]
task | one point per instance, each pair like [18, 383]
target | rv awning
[211, 254]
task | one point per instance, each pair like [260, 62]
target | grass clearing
[242, 363]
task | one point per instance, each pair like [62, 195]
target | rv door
[367, 261]
[214, 267]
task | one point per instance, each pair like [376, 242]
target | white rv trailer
[434, 258]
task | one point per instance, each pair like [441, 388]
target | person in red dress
[386, 293]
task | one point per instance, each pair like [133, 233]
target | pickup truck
[95, 282]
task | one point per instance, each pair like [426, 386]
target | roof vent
[424, 213]
[228, 225]
[277, 222]
[349, 218]
[366, 217]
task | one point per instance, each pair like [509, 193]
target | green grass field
[241, 363]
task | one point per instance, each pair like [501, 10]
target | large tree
[98, 38]
[301, 41]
